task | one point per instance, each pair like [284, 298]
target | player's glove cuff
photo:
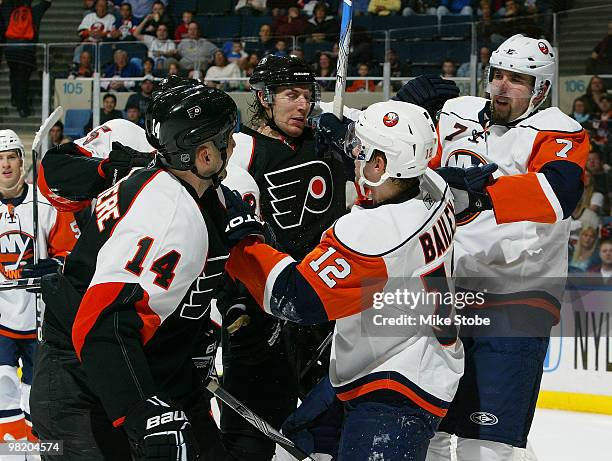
[242, 221]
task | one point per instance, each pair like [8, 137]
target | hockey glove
[160, 432]
[329, 137]
[473, 181]
[316, 425]
[429, 92]
[120, 162]
[44, 267]
[242, 220]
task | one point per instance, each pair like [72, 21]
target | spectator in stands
[173, 69]
[589, 208]
[483, 62]
[324, 27]
[602, 123]
[595, 90]
[449, 69]
[121, 67]
[148, 66]
[83, 68]
[601, 178]
[107, 111]
[250, 7]
[143, 98]
[280, 47]
[580, 114]
[384, 7]
[247, 66]
[325, 66]
[236, 53]
[157, 17]
[420, 7]
[455, 7]
[221, 70]
[141, 8]
[363, 70]
[88, 7]
[298, 52]
[266, 43]
[398, 69]
[181, 31]
[600, 61]
[360, 7]
[280, 7]
[604, 269]
[21, 59]
[584, 255]
[194, 51]
[293, 23]
[161, 49]
[56, 135]
[132, 113]
[125, 24]
[97, 26]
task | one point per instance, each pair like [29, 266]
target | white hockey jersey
[57, 233]
[354, 276]
[523, 240]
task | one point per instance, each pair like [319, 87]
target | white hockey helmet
[404, 132]
[529, 56]
[10, 141]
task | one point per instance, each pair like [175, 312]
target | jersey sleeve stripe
[520, 198]
[96, 300]
[150, 320]
[271, 280]
[550, 195]
[565, 180]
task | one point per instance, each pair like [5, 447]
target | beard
[500, 116]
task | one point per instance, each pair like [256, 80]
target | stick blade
[43, 131]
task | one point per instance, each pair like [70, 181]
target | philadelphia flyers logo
[543, 47]
[390, 119]
[464, 158]
[299, 190]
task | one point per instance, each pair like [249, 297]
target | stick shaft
[253, 419]
[343, 53]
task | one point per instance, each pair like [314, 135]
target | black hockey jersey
[301, 193]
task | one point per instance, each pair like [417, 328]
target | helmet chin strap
[363, 181]
[17, 185]
[215, 177]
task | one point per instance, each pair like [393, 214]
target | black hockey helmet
[186, 114]
[275, 71]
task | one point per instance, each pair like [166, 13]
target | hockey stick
[253, 419]
[41, 135]
[20, 284]
[318, 354]
[343, 52]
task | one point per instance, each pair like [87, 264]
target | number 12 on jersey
[337, 269]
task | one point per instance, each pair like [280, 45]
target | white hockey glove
[159, 431]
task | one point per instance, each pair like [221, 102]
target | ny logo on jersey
[300, 189]
[15, 251]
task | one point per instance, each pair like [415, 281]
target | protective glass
[509, 85]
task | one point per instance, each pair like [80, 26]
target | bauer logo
[390, 119]
[194, 111]
[483, 418]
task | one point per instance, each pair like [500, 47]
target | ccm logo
[170, 416]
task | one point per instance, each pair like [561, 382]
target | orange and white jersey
[99, 142]
[404, 245]
[538, 184]
[57, 235]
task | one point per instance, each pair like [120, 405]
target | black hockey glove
[160, 432]
[429, 92]
[329, 137]
[242, 219]
[120, 162]
[44, 267]
[473, 181]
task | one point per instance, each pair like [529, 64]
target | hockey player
[511, 242]
[302, 194]
[393, 389]
[125, 320]
[57, 234]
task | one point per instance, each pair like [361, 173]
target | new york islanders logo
[543, 47]
[15, 251]
[298, 190]
[390, 119]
